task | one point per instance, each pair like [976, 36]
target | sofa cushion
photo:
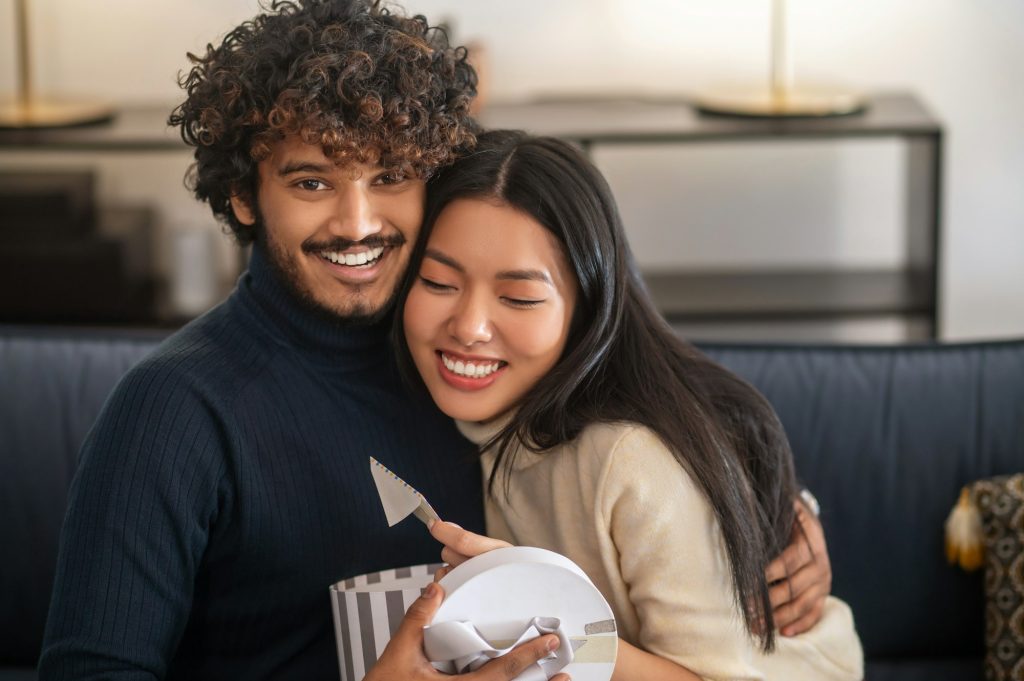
[54, 384]
[934, 668]
[885, 437]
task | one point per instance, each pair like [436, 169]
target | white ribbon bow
[458, 647]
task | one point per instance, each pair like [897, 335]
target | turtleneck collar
[273, 307]
[481, 433]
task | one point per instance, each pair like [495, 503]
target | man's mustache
[341, 243]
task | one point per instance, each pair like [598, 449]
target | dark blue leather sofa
[884, 436]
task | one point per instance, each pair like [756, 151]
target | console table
[909, 291]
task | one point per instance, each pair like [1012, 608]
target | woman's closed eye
[523, 303]
[435, 286]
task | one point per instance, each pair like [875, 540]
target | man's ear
[242, 210]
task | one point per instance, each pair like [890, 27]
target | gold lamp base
[788, 104]
[43, 114]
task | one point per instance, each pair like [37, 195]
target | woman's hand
[803, 574]
[460, 545]
[403, 658]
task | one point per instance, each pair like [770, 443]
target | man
[225, 486]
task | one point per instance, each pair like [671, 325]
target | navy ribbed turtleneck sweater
[226, 485]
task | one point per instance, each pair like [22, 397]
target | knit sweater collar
[274, 308]
[481, 433]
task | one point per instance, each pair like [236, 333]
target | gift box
[492, 603]
[368, 610]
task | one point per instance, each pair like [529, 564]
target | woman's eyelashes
[521, 302]
[435, 286]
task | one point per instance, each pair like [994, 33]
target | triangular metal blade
[397, 497]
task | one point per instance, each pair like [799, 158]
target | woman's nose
[470, 324]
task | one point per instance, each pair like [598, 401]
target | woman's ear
[242, 210]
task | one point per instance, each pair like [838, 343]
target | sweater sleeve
[673, 562]
[141, 506]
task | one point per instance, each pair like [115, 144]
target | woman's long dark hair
[622, 362]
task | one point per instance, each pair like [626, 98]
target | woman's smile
[464, 372]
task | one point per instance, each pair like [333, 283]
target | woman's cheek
[413, 318]
[544, 335]
[424, 315]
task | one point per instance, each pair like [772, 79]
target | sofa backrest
[53, 384]
[885, 437]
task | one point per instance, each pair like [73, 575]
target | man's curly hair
[365, 84]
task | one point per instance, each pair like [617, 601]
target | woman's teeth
[470, 369]
[353, 259]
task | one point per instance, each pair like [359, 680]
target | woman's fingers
[441, 572]
[452, 558]
[461, 544]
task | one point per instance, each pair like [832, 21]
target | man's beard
[358, 313]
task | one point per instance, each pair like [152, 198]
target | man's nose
[355, 217]
[471, 323]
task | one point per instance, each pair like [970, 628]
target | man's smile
[355, 258]
[358, 266]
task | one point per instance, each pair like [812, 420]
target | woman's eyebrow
[505, 275]
[524, 275]
[437, 255]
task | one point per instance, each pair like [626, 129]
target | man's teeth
[353, 259]
[470, 369]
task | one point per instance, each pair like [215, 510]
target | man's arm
[802, 576]
[139, 510]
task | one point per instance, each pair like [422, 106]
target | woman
[665, 477]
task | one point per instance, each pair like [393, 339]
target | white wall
[965, 59]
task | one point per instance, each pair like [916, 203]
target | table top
[617, 119]
[613, 121]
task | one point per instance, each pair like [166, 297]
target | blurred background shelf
[629, 120]
[717, 296]
[805, 299]
[796, 303]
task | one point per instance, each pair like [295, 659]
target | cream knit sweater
[617, 503]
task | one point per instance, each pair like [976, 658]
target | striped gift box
[368, 610]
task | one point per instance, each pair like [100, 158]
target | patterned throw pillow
[1000, 502]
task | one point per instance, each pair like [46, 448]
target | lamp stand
[782, 100]
[29, 111]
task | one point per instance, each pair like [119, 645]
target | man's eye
[391, 177]
[434, 286]
[311, 185]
